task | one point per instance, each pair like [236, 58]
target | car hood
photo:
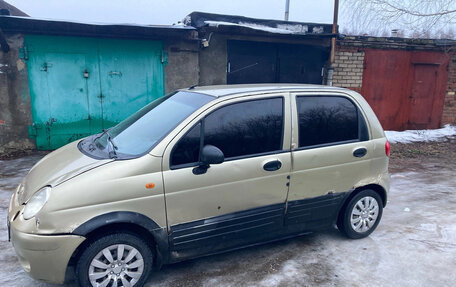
[56, 168]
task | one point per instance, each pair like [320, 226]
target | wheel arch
[375, 187]
[124, 221]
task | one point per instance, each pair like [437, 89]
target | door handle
[360, 152]
[272, 165]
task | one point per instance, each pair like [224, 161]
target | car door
[331, 155]
[241, 200]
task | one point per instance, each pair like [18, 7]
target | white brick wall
[348, 69]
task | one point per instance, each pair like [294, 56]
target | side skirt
[252, 227]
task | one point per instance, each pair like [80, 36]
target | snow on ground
[414, 245]
[409, 136]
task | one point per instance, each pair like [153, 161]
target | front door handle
[360, 152]
[272, 165]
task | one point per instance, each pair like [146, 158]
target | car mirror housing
[209, 155]
[212, 155]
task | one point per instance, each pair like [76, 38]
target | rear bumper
[45, 257]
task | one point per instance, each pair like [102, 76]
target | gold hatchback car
[201, 171]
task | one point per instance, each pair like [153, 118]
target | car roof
[225, 90]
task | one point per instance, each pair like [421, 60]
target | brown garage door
[406, 89]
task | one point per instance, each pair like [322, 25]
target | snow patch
[187, 20]
[410, 136]
[3, 65]
[295, 28]
[290, 270]
[283, 29]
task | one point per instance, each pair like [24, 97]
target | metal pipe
[334, 31]
[287, 9]
[332, 58]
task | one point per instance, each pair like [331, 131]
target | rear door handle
[360, 152]
[272, 165]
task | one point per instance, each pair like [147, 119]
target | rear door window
[327, 120]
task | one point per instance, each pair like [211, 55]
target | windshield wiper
[112, 153]
[111, 146]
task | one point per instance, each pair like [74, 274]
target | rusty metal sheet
[406, 89]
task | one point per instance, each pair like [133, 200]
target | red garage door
[406, 89]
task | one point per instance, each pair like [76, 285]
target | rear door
[241, 200]
[331, 156]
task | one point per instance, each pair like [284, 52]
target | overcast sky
[172, 11]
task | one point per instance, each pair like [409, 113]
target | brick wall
[348, 68]
[449, 109]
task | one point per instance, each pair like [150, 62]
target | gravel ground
[414, 245]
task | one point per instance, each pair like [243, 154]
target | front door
[332, 155]
[241, 200]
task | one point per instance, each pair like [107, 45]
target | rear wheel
[361, 215]
[115, 260]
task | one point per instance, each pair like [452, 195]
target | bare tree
[420, 18]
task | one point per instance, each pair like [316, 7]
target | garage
[79, 86]
[64, 80]
[263, 62]
[243, 50]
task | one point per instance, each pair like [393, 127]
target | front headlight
[37, 202]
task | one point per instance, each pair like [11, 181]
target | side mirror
[209, 155]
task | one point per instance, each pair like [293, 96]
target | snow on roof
[174, 26]
[281, 28]
[410, 136]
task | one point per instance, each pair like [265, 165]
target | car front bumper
[45, 257]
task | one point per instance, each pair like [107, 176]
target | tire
[361, 215]
[132, 270]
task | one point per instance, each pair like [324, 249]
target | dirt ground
[402, 155]
[414, 245]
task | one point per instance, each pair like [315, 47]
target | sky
[167, 12]
[171, 11]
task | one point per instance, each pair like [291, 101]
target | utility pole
[333, 44]
[287, 9]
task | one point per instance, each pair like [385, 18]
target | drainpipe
[287, 9]
[333, 44]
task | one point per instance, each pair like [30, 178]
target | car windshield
[140, 132]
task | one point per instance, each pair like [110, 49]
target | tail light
[387, 148]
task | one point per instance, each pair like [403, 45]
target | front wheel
[115, 260]
[361, 215]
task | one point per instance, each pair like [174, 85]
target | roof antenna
[192, 87]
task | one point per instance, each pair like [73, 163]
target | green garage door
[79, 86]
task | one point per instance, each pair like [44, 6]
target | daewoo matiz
[200, 171]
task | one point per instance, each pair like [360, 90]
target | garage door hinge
[23, 53]
[32, 129]
[164, 58]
